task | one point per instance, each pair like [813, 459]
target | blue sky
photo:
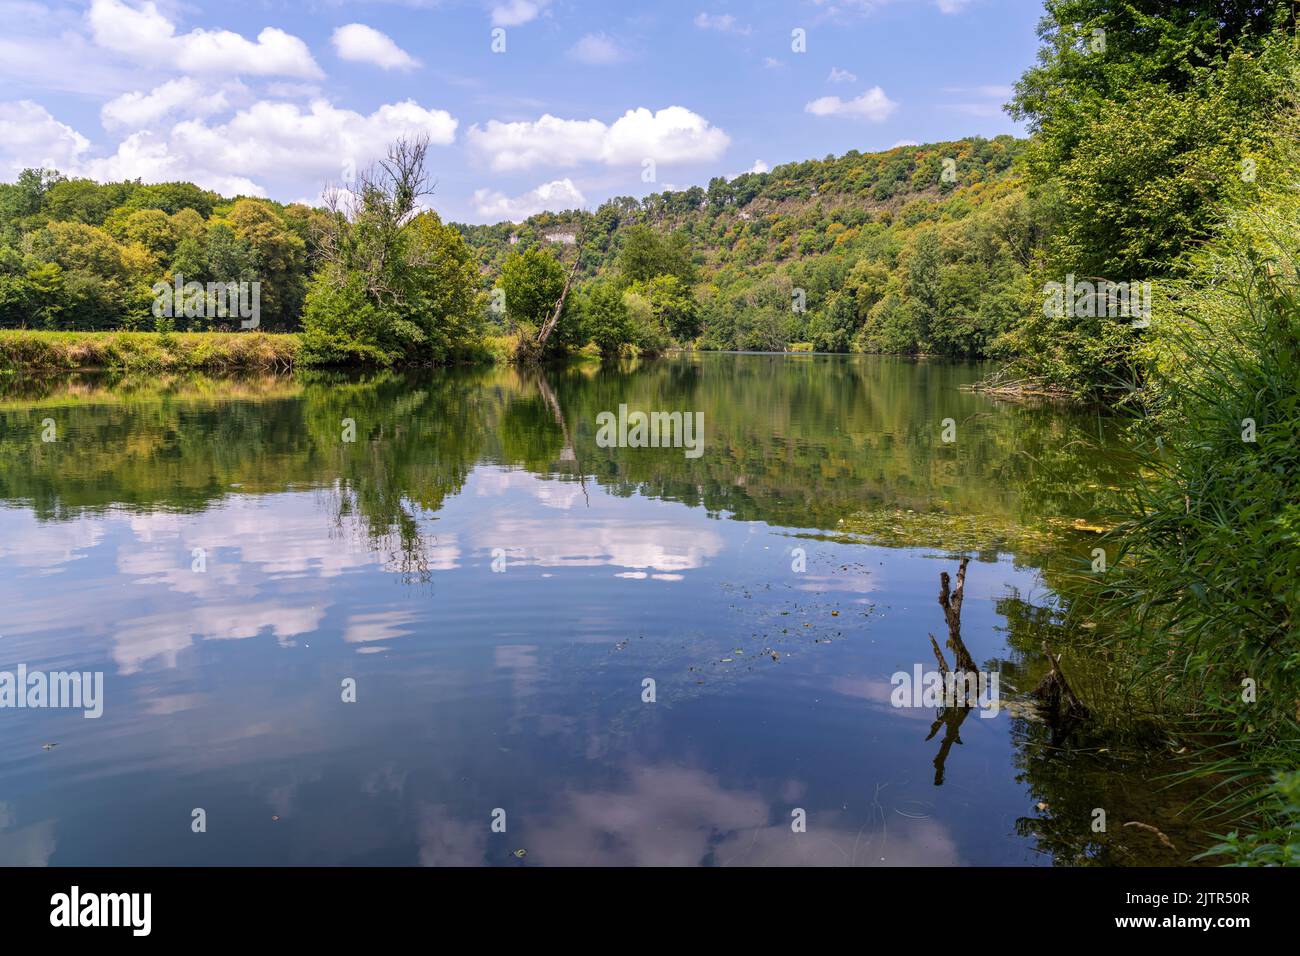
[585, 101]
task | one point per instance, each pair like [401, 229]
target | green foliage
[427, 312]
[646, 254]
[1202, 589]
[342, 324]
[605, 317]
[1148, 119]
[395, 285]
[747, 243]
[646, 328]
[672, 305]
[1278, 842]
[277, 256]
[532, 280]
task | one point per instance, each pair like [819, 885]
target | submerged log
[1056, 695]
[951, 604]
[950, 718]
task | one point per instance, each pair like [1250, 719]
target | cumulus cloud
[514, 13]
[41, 62]
[873, 105]
[183, 96]
[30, 136]
[148, 156]
[145, 33]
[267, 139]
[363, 44]
[596, 49]
[270, 136]
[841, 76]
[554, 196]
[672, 134]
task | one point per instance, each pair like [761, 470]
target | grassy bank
[24, 350]
[1201, 593]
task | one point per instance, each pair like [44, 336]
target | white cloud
[267, 139]
[41, 63]
[772, 63]
[992, 97]
[183, 96]
[905, 142]
[147, 156]
[596, 49]
[758, 167]
[30, 136]
[841, 76]
[872, 105]
[672, 134]
[722, 22]
[553, 196]
[951, 6]
[145, 33]
[293, 91]
[364, 44]
[514, 13]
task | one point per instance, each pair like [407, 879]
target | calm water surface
[499, 588]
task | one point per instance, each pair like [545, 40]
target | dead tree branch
[549, 325]
[1054, 690]
[951, 604]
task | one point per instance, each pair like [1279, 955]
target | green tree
[280, 257]
[605, 317]
[396, 285]
[646, 253]
[672, 304]
[532, 281]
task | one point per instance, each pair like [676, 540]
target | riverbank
[33, 350]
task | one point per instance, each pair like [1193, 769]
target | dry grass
[140, 351]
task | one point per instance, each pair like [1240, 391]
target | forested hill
[915, 249]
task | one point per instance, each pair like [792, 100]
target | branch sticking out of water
[1054, 691]
[951, 602]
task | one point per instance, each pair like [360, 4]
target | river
[431, 619]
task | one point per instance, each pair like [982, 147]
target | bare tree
[363, 232]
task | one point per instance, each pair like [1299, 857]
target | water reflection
[499, 587]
